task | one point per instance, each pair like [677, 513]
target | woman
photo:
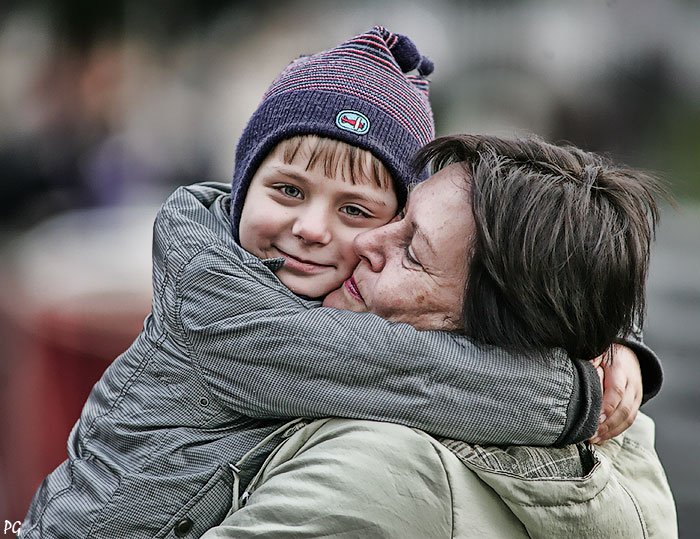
[556, 247]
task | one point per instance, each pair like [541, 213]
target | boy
[203, 385]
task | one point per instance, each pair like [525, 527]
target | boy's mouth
[351, 286]
[300, 264]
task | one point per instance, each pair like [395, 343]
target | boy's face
[295, 211]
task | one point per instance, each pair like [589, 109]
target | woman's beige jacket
[363, 479]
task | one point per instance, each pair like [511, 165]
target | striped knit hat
[358, 92]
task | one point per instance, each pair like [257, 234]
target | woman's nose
[312, 226]
[371, 246]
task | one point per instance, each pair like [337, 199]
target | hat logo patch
[353, 121]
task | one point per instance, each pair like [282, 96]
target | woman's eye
[354, 211]
[291, 191]
[409, 256]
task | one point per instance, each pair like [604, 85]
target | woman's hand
[622, 392]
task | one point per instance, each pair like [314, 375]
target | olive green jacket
[364, 479]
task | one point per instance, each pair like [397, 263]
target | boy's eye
[291, 191]
[354, 211]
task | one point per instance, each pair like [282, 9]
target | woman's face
[414, 269]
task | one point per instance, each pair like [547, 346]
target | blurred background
[106, 107]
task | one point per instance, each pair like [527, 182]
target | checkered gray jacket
[229, 354]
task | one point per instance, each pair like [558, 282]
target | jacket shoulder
[194, 217]
[348, 477]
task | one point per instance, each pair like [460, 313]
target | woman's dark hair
[561, 249]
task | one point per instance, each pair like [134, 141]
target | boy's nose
[312, 227]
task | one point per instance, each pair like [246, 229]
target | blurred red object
[58, 360]
[74, 292]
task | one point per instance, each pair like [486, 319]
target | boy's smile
[294, 263]
[300, 210]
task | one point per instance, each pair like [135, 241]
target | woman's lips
[298, 264]
[351, 287]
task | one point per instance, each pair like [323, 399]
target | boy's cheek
[255, 232]
[350, 260]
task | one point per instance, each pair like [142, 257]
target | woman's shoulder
[367, 443]
[407, 482]
[378, 479]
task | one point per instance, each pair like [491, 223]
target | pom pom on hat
[407, 56]
[426, 66]
[405, 53]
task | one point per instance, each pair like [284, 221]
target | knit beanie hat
[358, 92]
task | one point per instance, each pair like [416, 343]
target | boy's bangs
[337, 158]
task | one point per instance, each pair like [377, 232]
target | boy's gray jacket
[229, 354]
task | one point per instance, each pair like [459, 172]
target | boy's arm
[290, 360]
